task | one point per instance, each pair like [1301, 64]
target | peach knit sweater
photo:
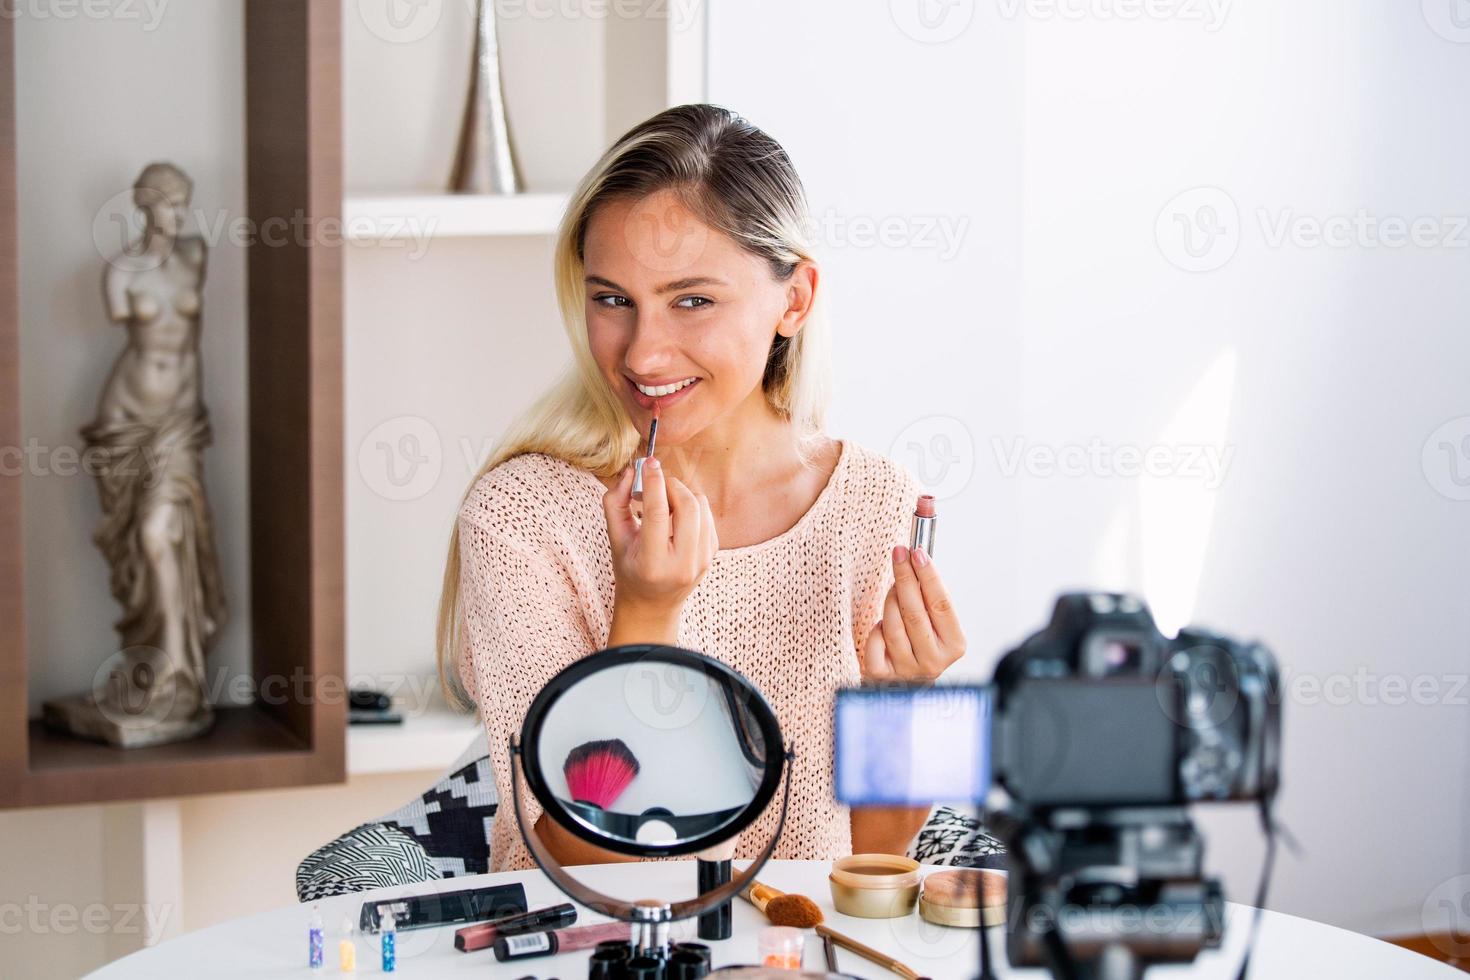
[790, 613]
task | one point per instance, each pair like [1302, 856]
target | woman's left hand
[919, 635]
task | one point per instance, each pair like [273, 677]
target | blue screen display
[913, 746]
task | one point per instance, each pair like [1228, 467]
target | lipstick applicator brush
[638, 463]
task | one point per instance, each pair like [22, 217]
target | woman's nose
[652, 345]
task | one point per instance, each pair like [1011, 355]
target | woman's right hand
[657, 563]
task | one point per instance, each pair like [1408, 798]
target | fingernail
[652, 463]
[920, 558]
[900, 554]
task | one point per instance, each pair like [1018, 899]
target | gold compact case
[875, 886]
[954, 897]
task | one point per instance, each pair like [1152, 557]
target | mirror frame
[613, 657]
[650, 916]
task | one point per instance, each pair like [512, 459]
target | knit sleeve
[895, 513]
[522, 623]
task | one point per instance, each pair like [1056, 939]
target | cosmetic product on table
[446, 908]
[829, 953]
[868, 953]
[315, 941]
[388, 941]
[644, 968]
[688, 961]
[483, 935]
[780, 908]
[925, 523]
[714, 871]
[717, 922]
[780, 947]
[347, 947]
[609, 959]
[956, 897]
[875, 886]
[532, 944]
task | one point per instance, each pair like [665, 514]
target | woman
[684, 277]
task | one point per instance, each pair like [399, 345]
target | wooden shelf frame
[293, 169]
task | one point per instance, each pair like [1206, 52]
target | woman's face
[670, 299]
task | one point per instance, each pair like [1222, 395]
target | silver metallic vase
[484, 162]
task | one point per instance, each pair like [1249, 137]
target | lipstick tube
[925, 523]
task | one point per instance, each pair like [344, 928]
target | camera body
[1105, 731]
[1088, 747]
[1100, 709]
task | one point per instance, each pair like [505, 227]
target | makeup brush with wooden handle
[868, 953]
[782, 909]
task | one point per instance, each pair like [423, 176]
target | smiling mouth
[658, 391]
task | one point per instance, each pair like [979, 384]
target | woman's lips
[664, 401]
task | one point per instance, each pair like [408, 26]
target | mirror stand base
[651, 919]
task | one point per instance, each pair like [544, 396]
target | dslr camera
[1091, 742]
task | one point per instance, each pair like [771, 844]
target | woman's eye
[616, 300]
[695, 302]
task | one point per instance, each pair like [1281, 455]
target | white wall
[1064, 325]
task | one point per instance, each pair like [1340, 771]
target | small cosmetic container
[875, 886]
[780, 947]
[955, 898]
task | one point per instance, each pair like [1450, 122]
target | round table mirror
[650, 751]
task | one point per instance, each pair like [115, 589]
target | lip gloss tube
[532, 944]
[925, 523]
[638, 463]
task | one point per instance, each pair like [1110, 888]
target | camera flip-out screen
[898, 746]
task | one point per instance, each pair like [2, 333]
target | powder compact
[875, 886]
[955, 897]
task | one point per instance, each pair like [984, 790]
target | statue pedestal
[81, 716]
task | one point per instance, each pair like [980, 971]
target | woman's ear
[801, 292]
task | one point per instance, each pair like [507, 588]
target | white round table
[274, 944]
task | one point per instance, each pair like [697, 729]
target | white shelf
[429, 740]
[368, 218]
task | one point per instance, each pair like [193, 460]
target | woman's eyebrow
[667, 287]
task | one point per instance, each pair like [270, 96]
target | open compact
[955, 898]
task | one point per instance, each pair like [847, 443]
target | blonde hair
[738, 181]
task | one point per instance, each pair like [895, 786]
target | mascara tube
[483, 935]
[925, 523]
